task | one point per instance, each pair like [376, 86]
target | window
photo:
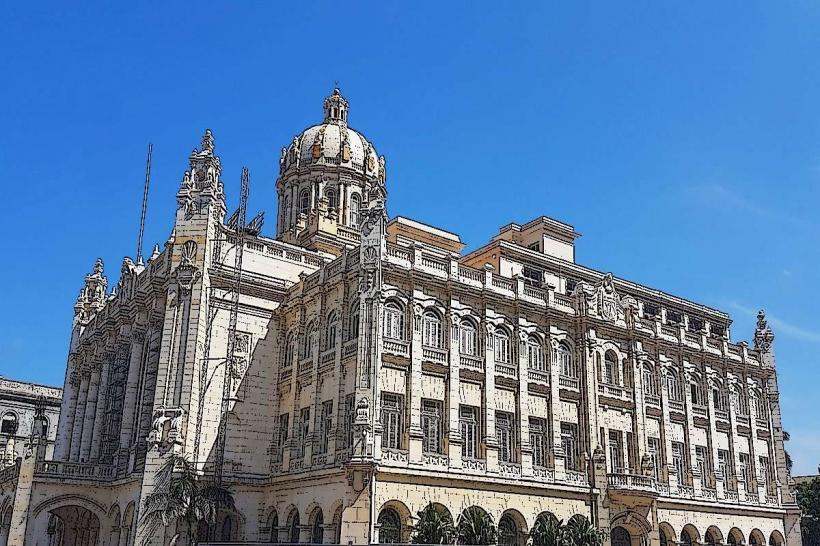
[654, 449]
[309, 341]
[304, 202]
[353, 332]
[282, 436]
[350, 419]
[317, 532]
[393, 321]
[673, 386]
[44, 428]
[355, 205]
[563, 359]
[391, 416]
[505, 435]
[532, 276]
[535, 354]
[616, 451]
[743, 471]
[9, 424]
[468, 339]
[723, 466]
[290, 351]
[431, 330]
[468, 421]
[569, 445]
[650, 387]
[302, 431]
[610, 371]
[325, 424]
[431, 426]
[293, 534]
[764, 470]
[332, 199]
[332, 330]
[741, 403]
[718, 399]
[761, 411]
[678, 461]
[696, 392]
[389, 526]
[538, 441]
[701, 461]
[502, 346]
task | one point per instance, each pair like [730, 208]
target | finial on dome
[336, 107]
[207, 141]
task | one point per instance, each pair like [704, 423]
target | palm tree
[548, 531]
[433, 527]
[180, 496]
[475, 526]
[580, 532]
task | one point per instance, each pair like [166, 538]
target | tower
[328, 176]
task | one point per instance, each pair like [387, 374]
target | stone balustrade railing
[63, 469]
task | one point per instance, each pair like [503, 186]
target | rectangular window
[532, 276]
[431, 333]
[302, 431]
[281, 436]
[468, 421]
[764, 471]
[324, 425]
[723, 466]
[701, 461]
[743, 471]
[467, 340]
[350, 417]
[654, 448]
[431, 426]
[678, 461]
[505, 435]
[616, 451]
[538, 441]
[391, 417]
[502, 348]
[569, 445]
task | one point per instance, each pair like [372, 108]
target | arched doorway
[294, 527]
[507, 531]
[389, 525]
[620, 537]
[317, 527]
[73, 526]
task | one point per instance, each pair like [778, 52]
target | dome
[332, 143]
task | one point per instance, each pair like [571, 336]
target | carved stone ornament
[763, 333]
[375, 214]
[166, 429]
[362, 410]
[186, 274]
[601, 300]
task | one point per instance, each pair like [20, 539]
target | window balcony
[686, 491]
[305, 366]
[475, 465]
[699, 410]
[471, 363]
[512, 470]
[676, 405]
[544, 473]
[614, 391]
[652, 400]
[568, 382]
[723, 415]
[395, 456]
[506, 370]
[577, 478]
[432, 354]
[350, 348]
[634, 483]
[327, 357]
[396, 347]
[541, 376]
[436, 459]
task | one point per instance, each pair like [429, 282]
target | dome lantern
[336, 108]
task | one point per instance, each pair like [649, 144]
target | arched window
[9, 424]
[741, 402]
[610, 371]
[711, 540]
[673, 387]
[353, 331]
[290, 350]
[332, 199]
[431, 330]
[563, 359]
[696, 392]
[535, 354]
[502, 346]
[393, 321]
[650, 387]
[355, 206]
[332, 330]
[317, 531]
[285, 212]
[304, 202]
[274, 528]
[664, 540]
[293, 532]
[620, 537]
[389, 527]
[44, 429]
[468, 338]
[309, 341]
[507, 531]
[685, 537]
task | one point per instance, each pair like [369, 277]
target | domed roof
[331, 143]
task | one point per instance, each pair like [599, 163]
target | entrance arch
[620, 537]
[73, 525]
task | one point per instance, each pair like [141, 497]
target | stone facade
[377, 368]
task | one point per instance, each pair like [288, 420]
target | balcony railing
[436, 459]
[631, 482]
[699, 410]
[471, 363]
[64, 469]
[396, 347]
[578, 478]
[652, 400]
[541, 376]
[434, 355]
[675, 405]
[505, 369]
[568, 382]
[395, 455]
[614, 391]
[350, 348]
[546, 474]
[721, 414]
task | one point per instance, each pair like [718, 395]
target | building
[19, 404]
[344, 374]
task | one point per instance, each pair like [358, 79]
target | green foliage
[548, 531]
[180, 496]
[433, 527]
[580, 532]
[476, 527]
[808, 497]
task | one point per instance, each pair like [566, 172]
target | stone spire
[763, 333]
[336, 108]
[93, 294]
[202, 182]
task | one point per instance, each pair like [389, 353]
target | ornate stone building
[376, 368]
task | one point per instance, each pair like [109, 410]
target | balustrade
[505, 369]
[434, 355]
[396, 347]
[471, 363]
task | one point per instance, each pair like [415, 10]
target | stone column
[523, 398]
[90, 413]
[690, 425]
[454, 440]
[79, 417]
[413, 397]
[62, 448]
[640, 405]
[490, 440]
[132, 388]
[734, 456]
[711, 432]
[101, 405]
[667, 470]
[559, 457]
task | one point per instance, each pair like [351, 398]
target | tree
[433, 527]
[180, 496]
[548, 531]
[808, 499]
[475, 526]
[580, 532]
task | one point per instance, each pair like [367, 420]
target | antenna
[241, 217]
[144, 203]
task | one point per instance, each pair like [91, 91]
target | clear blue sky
[682, 140]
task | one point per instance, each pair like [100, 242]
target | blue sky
[681, 139]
